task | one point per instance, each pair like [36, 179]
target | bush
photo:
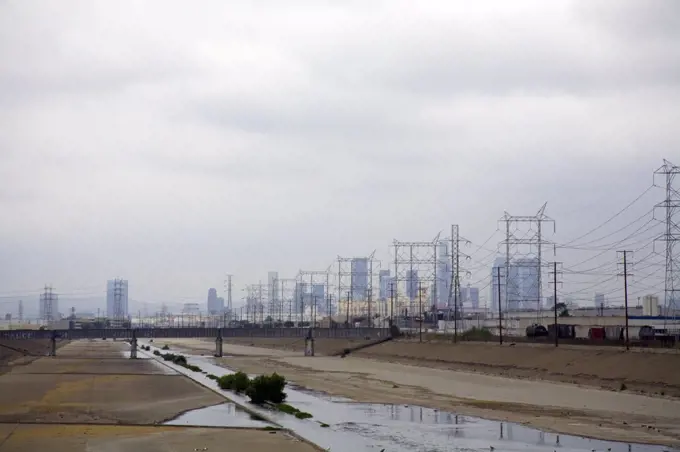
[477, 334]
[165, 347]
[238, 382]
[193, 368]
[267, 389]
[180, 359]
[157, 353]
[212, 377]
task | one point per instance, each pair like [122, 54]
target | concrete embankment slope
[557, 407]
[91, 398]
[654, 371]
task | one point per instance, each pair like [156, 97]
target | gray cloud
[169, 144]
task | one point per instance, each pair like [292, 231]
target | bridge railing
[193, 332]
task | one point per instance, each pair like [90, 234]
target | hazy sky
[169, 142]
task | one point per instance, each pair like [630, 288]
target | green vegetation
[180, 360]
[212, 377]
[289, 409]
[165, 347]
[238, 382]
[157, 353]
[477, 334]
[267, 388]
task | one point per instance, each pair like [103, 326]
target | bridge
[193, 332]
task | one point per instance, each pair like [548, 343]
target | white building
[650, 305]
[117, 299]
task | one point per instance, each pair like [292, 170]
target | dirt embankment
[655, 372]
[17, 352]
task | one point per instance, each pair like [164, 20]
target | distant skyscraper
[318, 298]
[523, 284]
[599, 300]
[384, 280]
[117, 300]
[443, 273]
[300, 297]
[470, 295]
[412, 284]
[215, 303]
[359, 278]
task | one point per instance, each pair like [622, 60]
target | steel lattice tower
[671, 236]
[524, 243]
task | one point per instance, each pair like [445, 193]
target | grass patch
[289, 409]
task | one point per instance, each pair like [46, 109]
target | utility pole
[625, 290]
[347, 308]
[391, 304]
[420, 302]
[557, 335]
[370, 294]
[500, 311]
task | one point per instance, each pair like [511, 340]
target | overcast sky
[169, 142]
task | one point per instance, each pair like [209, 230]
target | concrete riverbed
[340, 424]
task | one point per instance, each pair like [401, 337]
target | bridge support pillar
[133, 345]
[309, 343]
[218, 344]
[53, 344]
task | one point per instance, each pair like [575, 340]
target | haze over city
[170, 146]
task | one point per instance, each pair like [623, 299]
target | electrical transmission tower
[119, 303]
[313, 292]
[256, 294]
[671, 206]
[524, 243]
[228, 289]
[355, 284]
[49, 305]
[286, 301]
[454, 293]
[414, 262]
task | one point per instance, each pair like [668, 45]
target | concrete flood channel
[340, 424]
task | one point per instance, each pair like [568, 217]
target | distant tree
[562, 310]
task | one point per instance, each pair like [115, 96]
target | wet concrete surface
[339, 425]
[223, 415]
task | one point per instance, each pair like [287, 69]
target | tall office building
[385, 280]
[599, 300]
[412, 284]
[215, 303]
[470, 296]
[359, 278]
[318, 297]
[443, 272]
[117, 300]
[523, 290]
[300, 297]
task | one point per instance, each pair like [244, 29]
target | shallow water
[356, 427]
[223, 415]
